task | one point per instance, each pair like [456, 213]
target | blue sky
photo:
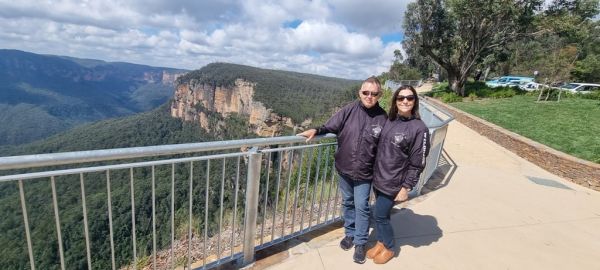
[342, 38]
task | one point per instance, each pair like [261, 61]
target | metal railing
[393, 85]
[187, 203]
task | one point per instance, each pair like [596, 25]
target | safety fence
[393, 85]
[195, 205]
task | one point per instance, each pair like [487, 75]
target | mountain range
[42, 95]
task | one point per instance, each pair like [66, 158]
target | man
[357, 126]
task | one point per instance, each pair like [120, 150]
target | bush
[593, 95]
[443, 86]
[552, 94]
[451, 97]
[533, 93]
[472, 96]
[484, 92]
[438, 90]
[439, 94]
[504, 93]
[475, 87]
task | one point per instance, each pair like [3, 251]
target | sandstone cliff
[194, 101]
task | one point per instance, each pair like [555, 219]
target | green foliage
[386, 100]
[153, 128]
[474, 90]
[150, 128]
[446, 32]
[504, 93]
[569, 126]
[443, 86]
[588, 69]
[311, 95]
[595, 95]
[42, 95]
[451, 97]
[558, 43]
[26, 122]
[438, 90]
[400, 70]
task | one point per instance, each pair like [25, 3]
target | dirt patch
[576, 170]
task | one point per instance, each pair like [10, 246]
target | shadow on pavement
[411, 229]
[442, 175]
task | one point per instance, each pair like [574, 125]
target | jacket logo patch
[398, 138]
[376, 130]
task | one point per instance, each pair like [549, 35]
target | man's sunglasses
[409, 98]
[369, 93]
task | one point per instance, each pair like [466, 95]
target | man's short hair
[373, 80]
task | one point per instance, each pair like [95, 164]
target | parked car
[530, 86]
[508, 81]
[583, 88]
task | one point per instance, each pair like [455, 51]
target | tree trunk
[457, 83]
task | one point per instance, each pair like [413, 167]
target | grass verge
[571, 125]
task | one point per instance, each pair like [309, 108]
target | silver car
[583, 88]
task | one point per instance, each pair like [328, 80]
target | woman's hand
[402, 195]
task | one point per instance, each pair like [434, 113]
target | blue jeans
[383, 208]
[355, 208]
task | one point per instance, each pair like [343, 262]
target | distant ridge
[292, 94]
[42, 95]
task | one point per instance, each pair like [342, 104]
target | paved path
[495, 211]
[426, 87]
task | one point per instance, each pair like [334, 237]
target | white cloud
[372, 17]
[333, 38]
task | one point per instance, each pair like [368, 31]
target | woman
[401, 152]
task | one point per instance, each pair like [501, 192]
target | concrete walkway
[494, 210]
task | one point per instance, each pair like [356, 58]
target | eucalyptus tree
[456, 34]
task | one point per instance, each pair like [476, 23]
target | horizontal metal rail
[42, 160]
[393, 85]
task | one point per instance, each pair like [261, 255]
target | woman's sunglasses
[409, 98]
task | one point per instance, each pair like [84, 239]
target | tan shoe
[372, 252]
[384, 256]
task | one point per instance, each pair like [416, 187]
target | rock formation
[193, 101]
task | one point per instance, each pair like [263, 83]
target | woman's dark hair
[393, 112]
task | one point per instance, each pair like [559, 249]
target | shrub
[451, 97]
[484, 92]
[443, 86]
[533, 93]
[475, 87]
[439, 94]
[504, 93]
[472, 96]
[593, 95]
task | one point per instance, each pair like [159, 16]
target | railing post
[251, 209]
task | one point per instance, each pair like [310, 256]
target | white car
[508, 81]
[530, 86]
[583, 88]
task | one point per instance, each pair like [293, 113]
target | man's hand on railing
[309, 134]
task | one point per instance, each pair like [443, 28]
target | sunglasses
[369, 93]
[409, 98]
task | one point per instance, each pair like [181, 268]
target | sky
[342, 38]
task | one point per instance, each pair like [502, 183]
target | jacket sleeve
[335, 123]
[417, 158]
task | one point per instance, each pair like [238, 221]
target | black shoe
[359, 254]
[346, 243]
